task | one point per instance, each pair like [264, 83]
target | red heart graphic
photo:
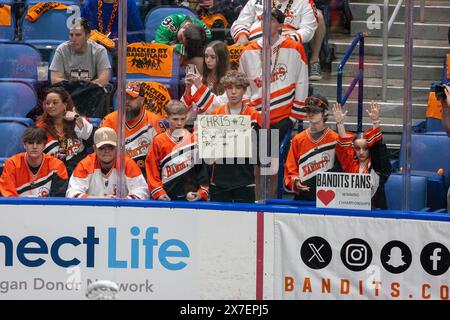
[326, 196]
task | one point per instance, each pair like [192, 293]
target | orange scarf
[5, 15]
[102, 39]
[36, 11]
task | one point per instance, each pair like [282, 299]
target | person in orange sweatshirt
[33, 173]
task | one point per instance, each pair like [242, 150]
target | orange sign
[156, 97]
[153, 59]
[235, 54]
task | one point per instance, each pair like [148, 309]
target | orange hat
[134, 89]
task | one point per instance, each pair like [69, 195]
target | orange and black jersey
[173, 167]
[19, 180]
[379, 166]
[238, 173]
[307, 157]
[139, 134]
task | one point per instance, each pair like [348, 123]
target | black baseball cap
[278, 15]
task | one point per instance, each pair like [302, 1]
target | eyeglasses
[313, 101]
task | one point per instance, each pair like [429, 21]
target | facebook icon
[435, 259]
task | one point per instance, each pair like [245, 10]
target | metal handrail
[359, 77]
[386, 27]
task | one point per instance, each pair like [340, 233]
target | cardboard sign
[224, 136]
[235, 54]
[153, 59]
[156, 97]
[344, 190]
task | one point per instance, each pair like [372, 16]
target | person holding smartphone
[204, 91]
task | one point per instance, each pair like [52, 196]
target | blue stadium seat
[429, 153]
[155, 16]
[48, 31]
[7, 33]
[11, 130]
[394, 192]
[19, 61]
[433, 125]
[17, 98]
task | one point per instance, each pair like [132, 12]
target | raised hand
[374, 112]
[339, 116]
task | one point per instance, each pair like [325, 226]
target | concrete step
[373, 68]
[428, 31]
[434, 12]
[373, 89]
[374, 46]
[392, 110]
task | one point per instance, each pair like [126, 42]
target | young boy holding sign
[364, 152]
[235, 182]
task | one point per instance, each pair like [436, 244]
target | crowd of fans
[65, 155]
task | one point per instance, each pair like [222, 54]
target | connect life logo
[34, 251]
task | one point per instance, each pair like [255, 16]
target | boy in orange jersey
[235, 182]
[96, 175]
[173, 169]
[33, 173]
[312, 151]
[141, 125]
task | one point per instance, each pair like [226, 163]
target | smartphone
[190, 68]
[439, 90]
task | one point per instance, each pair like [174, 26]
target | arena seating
[394, 194]
[19, 61]
[17, 98]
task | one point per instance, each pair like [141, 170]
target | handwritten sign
[235, 54]
[343, 190]
[156, 97]
[224, 136]
[153, 59]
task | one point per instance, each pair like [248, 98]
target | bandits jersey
[71, 150]
[173, 167]
[289, 80]
[300, 22]
[138, 134]
[203, 99]
[379, 166]
[308, 156]
[89, 180]
[237, 174]
[18, 180]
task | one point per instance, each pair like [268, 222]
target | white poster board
[224, 136]
[343, 190]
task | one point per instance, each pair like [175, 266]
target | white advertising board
[55, 252]
[332, 257]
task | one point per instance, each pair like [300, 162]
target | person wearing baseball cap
[141, 125]
[96, 175]
[312, 151]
